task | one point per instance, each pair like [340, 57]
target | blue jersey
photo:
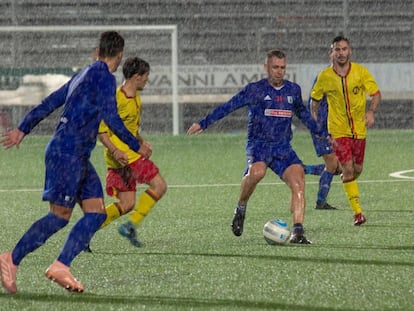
[322, 113]
[322, 146]
[270, 112]
[88, 97]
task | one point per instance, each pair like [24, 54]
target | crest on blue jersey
[290, 99]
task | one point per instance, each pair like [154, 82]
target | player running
[87, 98]
[124, 175]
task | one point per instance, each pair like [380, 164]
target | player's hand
[333, 142]
[149, 147]
[194, 129]
[146, 143]
[12, 138]
[121, 157]
[145, 150]
[369, 118]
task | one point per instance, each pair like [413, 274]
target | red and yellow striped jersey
[347, 98]
[129, 110]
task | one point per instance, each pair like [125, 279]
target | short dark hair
[133, 65]
[276, 53]
[110, 44]
[340, 38]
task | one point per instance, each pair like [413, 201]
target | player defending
[123, 175]
[271, 103]
[323, 149]
[87, 98]
[345, 85]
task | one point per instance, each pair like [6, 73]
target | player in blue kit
[87, 98]
[323, 149]
[271, 104]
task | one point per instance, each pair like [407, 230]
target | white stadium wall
[202, 87]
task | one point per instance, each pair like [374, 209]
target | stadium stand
[214, 32]
[239, 31]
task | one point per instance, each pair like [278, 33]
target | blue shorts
[322, 145]
[277, 160]
[70, 179]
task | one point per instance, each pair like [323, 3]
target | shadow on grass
[178, 302]
[316, 260]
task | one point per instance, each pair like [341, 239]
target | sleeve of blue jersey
[111, 117]
[237, 101]
[45, 108]
[305, 116]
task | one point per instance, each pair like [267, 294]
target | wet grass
[191, 260]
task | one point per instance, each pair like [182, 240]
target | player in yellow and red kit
[127, 168]
[346, 85]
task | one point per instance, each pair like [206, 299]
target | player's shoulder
[119, 90]
[101, 69]
[292, 85]
[256, 86]
[259, 83]
[326, 71]
[122, 99]
[358, 67]
[324, 74]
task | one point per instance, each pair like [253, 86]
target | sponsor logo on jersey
[356, 90]
[267, 97]
[278, 113]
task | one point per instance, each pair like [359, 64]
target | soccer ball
[276, 232]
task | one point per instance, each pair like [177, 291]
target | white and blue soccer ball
[276, 232]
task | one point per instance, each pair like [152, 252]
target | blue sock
[37, 235]
[80, 236]
[315, 169]
[324, 185]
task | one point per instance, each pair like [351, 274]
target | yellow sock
[145, 203]
[352, 193]
[113, 211]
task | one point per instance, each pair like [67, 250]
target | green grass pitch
[192, 261]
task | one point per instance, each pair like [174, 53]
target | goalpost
[12, 33]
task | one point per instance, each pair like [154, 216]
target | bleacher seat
[235, 31]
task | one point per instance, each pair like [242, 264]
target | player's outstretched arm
[12, 138]
[194, 129]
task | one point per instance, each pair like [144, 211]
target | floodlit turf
[192, 261]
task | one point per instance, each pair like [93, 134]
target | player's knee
[297, 186]
[159, 186]
[162, 188]
[332, 165]
[256, 174]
